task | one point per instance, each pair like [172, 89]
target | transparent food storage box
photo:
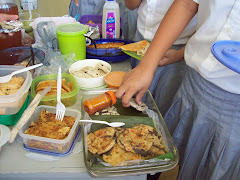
[68, 99]
[48, 144]
[11, 104]
[94, 163]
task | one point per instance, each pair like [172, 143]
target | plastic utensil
[112, 124]
[60, 108]
[7, 78]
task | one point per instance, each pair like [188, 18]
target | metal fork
[60, 108]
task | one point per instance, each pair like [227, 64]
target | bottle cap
[228, 53]
[112, 95]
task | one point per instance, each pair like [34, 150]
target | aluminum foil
[10, 26]
[93, 32]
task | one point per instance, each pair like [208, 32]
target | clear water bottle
[111, 20]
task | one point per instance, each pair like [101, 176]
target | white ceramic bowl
[88, 82]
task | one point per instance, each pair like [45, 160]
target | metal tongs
[28, 113]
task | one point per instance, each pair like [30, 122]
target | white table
[15, 165]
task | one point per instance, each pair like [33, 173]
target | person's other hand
[4, 18]
[172, 56]
[76, 2]
[135, 81]
[7, 17]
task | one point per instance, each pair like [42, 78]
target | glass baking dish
[131, 117]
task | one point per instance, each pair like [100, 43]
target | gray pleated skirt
[204, 121]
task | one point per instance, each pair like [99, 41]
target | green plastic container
[68, 99]
[71, 39]
[12, 119]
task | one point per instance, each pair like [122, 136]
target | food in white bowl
[90, 73]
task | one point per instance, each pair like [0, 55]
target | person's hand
[76, 2]
[4, 18]
[7, 17]
[135, 81]
[172, 56]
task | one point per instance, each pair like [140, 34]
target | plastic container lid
[228, 53]
[114, 79]
[71, 29]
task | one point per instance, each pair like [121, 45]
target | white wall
[51, 8]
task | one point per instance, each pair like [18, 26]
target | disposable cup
[26, 20]
[71, 39]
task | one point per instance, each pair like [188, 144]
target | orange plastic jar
[99, 102]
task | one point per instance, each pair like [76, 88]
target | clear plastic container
[11, 104]
[68, 99]
[130, 117]
[48, 144]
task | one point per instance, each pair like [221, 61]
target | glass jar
[15, 39]
[99, 102]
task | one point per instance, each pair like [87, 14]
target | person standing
[204, 116]
[166, 79]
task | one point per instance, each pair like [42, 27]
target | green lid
[71, 29]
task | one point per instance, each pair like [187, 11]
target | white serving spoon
[8, 77]
[112, 124]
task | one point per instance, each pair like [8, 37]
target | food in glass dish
[120, 145]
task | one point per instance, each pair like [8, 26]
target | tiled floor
[169, 175]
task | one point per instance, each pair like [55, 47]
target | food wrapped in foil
[93, 32]
[10, 26]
